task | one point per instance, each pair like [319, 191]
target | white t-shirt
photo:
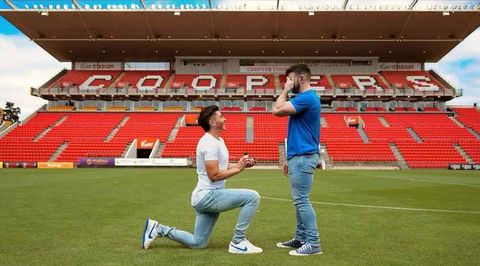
[209, 148]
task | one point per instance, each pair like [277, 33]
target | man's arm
[215, 174]
[282, 107]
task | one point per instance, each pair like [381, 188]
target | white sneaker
[149, 233]
[244, 247]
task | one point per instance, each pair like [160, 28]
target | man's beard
[296, 88]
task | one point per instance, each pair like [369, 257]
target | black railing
[73, 91]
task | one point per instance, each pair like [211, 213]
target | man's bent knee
[199, 244]
[254, 196]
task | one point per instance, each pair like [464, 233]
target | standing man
[302, 155]
[210, 198]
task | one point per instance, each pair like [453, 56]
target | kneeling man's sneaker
[149, 233]
[244, 247]
[293, 243]
[306, 250]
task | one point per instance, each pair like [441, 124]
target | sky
[25, 64]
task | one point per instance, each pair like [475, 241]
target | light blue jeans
[300, 174]
[208, 210]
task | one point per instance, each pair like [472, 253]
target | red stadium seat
[252, 82]
[201, 81]
[86, 135]
[79, 77]
[469, 117]
[362, 82]
[147, 79]
[419, 80]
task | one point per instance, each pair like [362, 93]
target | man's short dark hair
[205, 115]
[300, 69]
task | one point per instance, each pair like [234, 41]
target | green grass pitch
[96, 216]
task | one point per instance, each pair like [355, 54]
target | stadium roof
[394, 30]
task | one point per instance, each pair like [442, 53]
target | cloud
[24, 65]
[461, 67]
[467, 49]
[465, 100]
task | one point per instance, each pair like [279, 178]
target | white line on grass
[416, 180]
[367, 175]
[378, 207]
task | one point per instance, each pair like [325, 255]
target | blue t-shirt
[304, 126]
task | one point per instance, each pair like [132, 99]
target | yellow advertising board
[55, 165]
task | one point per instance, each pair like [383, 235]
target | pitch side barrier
[464, 166]
[129, 162]
[105, 162]
[40, 165]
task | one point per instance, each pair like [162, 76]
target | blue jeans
[300, 173]
[208, 210]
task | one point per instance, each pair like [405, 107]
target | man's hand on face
[288, 85]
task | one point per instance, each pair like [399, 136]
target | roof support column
[412, 5]
[76, 4]
[8, 2]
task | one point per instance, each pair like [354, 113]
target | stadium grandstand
[141, 71]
